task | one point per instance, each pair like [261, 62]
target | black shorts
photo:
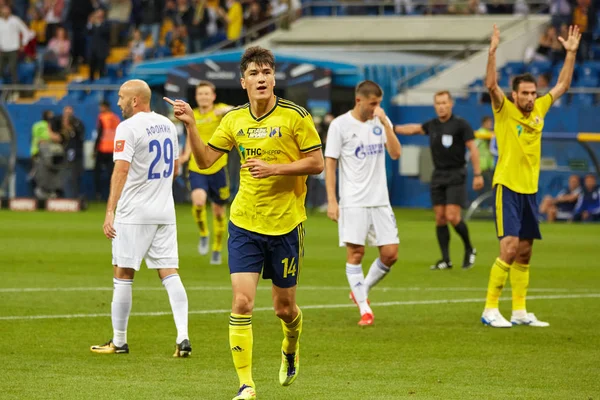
[449, 187]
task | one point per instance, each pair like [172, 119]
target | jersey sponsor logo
[119, 146]
[257, 133]
[447, 140]
[519, 130]
[377, 130]
[275, 132]
[363, 151]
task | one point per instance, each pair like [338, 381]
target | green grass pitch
[427, 342]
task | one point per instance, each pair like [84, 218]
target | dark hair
[485, 119]
[257, 55]
[105, 103]
[441, 93]
[206, 84]
[368, 88]
[47, 115]
[517, 80]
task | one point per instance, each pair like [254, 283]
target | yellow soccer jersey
[519, 141]
[207, 124]
[273, 205]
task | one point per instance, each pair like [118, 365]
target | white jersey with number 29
[148, 141]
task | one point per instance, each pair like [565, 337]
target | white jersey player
[357, 141]
[144, 227]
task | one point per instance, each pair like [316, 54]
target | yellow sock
[498, 276]
[201, 219]
[240, 342]
[519, 281]
[291, 333]
[219, 225]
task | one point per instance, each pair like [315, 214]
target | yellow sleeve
[222, 140]
[483, 135]
[544, 103]
[306, 135]
[502, 110]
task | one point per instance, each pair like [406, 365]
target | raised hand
[572, 42]
[181, 110]
[495, 40]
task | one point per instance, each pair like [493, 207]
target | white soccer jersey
[149, 142]
[359, 148]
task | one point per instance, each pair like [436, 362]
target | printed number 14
[289, 268]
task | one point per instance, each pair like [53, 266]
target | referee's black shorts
[449, 186]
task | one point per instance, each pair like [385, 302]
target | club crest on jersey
[119, 146]
[257, 133]
[447, 140]
[377, 130]
[537, 120]
[275, 132]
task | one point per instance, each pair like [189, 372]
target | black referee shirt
[447, 141]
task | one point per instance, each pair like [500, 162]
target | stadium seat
[582, 99]
[26, 73]
[46, 101]
[539, 67]
[513, 68]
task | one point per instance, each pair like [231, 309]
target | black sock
[443, 237]
[463, 231]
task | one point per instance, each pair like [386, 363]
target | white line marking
[304, 307]
[332, 288]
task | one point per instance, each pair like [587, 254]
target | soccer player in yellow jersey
[209, 183]
[279, 146]
[518, 128]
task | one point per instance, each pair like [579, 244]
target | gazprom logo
[363, 151]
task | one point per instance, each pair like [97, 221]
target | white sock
[356, 279]
[120, 309]
[377, 272]
[519, 313]
[179, 305]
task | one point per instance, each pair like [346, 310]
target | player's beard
[127, 110]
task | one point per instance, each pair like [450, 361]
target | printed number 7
[168, 152]
[289, 268]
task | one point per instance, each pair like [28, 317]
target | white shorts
[375, 226]
[157, 244]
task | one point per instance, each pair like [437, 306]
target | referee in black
[449, 138]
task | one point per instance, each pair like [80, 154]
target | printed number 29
[289, 268]
[168, 155]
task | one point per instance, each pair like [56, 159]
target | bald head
[134, 97]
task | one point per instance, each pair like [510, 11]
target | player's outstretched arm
[311, 164]
[409, 129]
[571, 44]
[117, 182]
[333, 209]
[491, 81]
[204, 155]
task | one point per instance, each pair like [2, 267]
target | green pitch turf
[427, 342]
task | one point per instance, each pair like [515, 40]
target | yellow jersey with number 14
[273, 205]
[519, 141]
[207, 125]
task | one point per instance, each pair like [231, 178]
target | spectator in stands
[548, 49]
[14, 35]
[500, 7]
[234, 18]
[584, 16]
[255, 16]
[151, 18]
[562, 206]
[137, 47]
[483, 137]
[119, 12]
[77, 17]
[561, 12]
[37, 24]
[197, 30]
[178, 40]
[72, 131]
[52, 11]
[588, 202]
[58, 54]
[103, 150]
[99, 33]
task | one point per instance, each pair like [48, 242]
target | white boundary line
[304, 307]
[311, 288]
